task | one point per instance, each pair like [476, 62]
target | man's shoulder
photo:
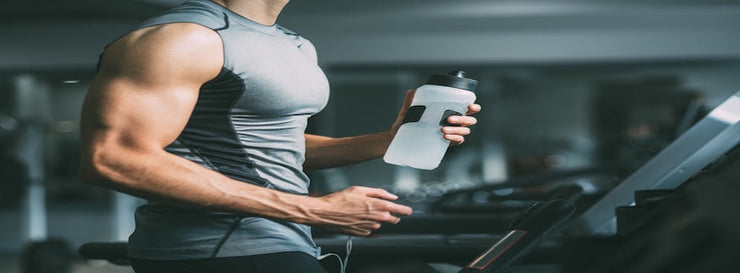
[176, 47]
[179, 35]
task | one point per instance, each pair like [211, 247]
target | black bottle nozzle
[456, 79]
[457, 73]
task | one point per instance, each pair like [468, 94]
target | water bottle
[419, 142]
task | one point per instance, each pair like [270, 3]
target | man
[202, 111]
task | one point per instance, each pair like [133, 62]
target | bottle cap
[454, 79]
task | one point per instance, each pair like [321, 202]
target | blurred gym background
[564, 84]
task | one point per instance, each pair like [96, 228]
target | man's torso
[247, 124]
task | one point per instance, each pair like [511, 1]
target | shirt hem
[184, 254]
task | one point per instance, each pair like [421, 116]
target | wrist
[385, 139]
[306, 209]
[287, 206]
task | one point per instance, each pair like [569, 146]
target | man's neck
[261, 11]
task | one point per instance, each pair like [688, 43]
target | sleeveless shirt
[248, 124]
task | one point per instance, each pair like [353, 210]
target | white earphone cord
[342, 262]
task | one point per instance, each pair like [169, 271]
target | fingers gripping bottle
[419, 142]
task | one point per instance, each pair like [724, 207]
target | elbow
[92, 169]
[98, 167]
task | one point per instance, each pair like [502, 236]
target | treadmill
[708, 140]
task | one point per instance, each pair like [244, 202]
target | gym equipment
[673, 214]
[13, 183]
[491, 217]
[485, 200]
[116, 253]
[527, 232]
[24, 153]
[446, 237]
[48, 256]
[706, 141]
[447, 224]
[689, 229]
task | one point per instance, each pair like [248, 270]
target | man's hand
[455, 134]
[357, 210]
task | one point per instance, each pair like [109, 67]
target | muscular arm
[139, 103]
[326, 152]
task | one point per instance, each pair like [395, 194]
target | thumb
[407, 101]
[404, 109]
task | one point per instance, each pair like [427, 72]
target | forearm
[173, 180]
[326, 152]
[176, 181]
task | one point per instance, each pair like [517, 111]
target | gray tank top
[248, 124]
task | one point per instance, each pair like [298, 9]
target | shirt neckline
[234, 17]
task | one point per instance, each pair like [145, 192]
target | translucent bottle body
[421, 144]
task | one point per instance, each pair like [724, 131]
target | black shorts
[284, 262]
